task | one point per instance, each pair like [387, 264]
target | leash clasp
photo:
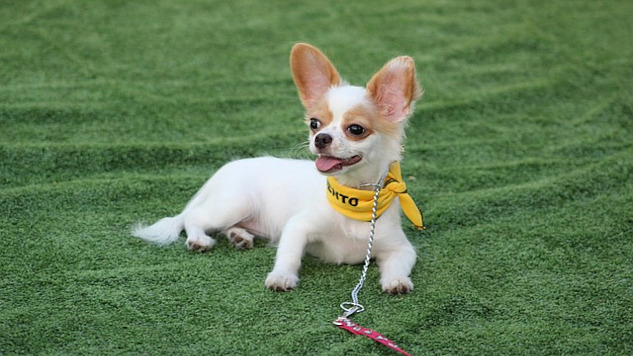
[351, 308]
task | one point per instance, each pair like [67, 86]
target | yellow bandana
[357, 204]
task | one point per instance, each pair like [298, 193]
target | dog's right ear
[313, 73]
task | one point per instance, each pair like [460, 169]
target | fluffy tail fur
[162, 232]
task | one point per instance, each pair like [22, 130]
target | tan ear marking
[394, 89]
[313, 73]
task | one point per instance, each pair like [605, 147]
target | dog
[356, 134]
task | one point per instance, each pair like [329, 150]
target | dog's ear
[313, 73]
[394, 89]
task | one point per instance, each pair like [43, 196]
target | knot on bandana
[357, 204]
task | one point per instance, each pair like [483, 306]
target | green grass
[521, 153]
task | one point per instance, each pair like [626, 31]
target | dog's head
[356, 132]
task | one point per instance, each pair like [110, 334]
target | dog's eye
[356, 130]
[315, 123]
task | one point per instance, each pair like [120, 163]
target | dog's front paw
[281, 282]
[401, 285]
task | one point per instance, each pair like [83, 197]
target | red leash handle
[347, 324]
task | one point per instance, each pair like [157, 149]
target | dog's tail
[162, 232]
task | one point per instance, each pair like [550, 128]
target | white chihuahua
[357, 135]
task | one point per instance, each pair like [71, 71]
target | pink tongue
[326, 164]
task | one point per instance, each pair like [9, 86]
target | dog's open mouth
[329, 164]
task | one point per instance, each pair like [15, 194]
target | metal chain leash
[354, 307]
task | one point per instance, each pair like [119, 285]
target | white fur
[344, 98]
[285, 200]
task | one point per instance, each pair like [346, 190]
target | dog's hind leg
[217, 212]
[197, 238]
[240, 237]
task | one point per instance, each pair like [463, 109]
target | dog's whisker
[301, 150]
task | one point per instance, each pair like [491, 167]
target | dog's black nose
[322, 140]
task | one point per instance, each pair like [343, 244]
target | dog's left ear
[394, 89]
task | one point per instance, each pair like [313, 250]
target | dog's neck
[364, 177]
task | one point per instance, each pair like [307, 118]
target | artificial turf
[520, 153]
